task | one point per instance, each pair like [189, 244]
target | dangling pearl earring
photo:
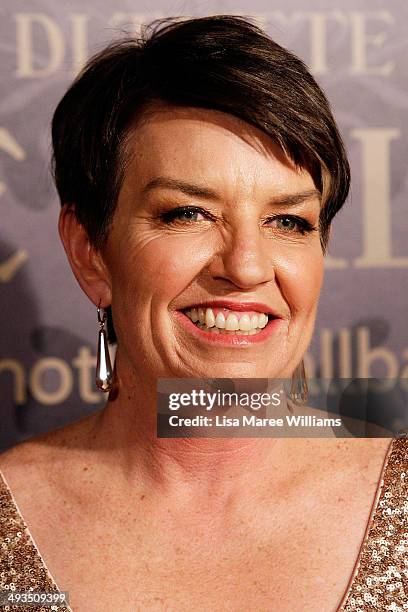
[104, 373]
[299, 390]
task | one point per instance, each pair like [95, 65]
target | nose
[244, 258]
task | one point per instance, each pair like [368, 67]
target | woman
[200, 168]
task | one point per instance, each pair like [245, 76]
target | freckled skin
[155, 269]
[190, 519]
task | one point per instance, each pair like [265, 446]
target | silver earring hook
[101, 320]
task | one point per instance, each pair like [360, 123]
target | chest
[294, 549]
[300, 564]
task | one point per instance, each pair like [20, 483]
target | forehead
[210, 146]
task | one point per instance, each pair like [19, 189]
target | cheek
[157, 267]
[300, 279]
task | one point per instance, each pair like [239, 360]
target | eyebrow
[198, 191]
[187, 188]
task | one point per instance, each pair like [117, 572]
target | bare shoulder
[344, 468]
[43, 457]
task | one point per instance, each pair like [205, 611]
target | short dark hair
[221, 62]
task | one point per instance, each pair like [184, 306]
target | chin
[234, 370]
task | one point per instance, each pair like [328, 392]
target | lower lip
[226, 339]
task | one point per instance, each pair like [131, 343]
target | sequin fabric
[380, 576]
[380, 580]
[21, 565]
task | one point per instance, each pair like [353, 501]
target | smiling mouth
[229, 322]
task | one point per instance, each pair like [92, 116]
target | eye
[186, 214]
[292, 224]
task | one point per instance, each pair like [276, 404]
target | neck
[126, 431]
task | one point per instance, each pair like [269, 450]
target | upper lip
[238, 306]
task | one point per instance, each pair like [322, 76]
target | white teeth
[220, 321]
[215, 330]
[231, 322]
[245, 323]
[263, 320]
[209, 318]
[254, 321]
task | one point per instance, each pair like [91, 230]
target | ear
[86, 261]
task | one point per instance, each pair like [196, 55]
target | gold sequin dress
[379, 580]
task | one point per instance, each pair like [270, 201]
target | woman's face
[212, 215]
